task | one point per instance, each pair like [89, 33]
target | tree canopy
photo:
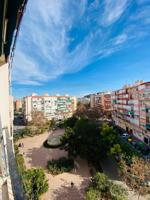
[101, 188]
[84, 140]
[137, 175]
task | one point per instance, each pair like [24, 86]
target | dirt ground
[59, 186]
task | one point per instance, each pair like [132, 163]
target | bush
[92, 194]
[61, 165]
[22, 133]
[70, 122]
[19, 160]
[102, 188]
[35, 183]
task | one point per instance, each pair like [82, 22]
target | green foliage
[35, 183]
[61, 165]
[16, 149]
[83, 140]
[22, 133]
[101, 188]
[19, 160]
[70, 142]
[115, 149]
[128, 151]
[92, 194]
[31, 130]
[109, 136]
[70, 122]
[52, 124]
[114, 145]
[118, 192]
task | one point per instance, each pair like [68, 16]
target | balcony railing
[148, 126]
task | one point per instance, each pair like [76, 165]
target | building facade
[84, 100]
[101, 100]
[53, 107]
[18, 105]
[131, 109]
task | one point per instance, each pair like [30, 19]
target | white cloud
[142, 15]
[43, 49]
[120, 39]
[113, 10]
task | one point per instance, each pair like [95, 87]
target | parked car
[133, 143]
[125, 135]
[147, 156]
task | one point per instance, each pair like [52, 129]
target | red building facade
[131, 109]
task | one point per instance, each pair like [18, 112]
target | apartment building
[101, 100]
[131, 109]
[84, 100]
[53, 107]
[18, 105]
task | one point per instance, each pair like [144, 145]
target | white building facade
[53, 107]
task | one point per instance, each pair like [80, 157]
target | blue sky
[78, 47]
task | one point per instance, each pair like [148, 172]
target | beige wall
[5, 116]
[4, 96]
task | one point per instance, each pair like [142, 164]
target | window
[146, 140]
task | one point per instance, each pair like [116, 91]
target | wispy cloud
[63, 36]
[113, 10]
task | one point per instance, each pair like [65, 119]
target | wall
[4, 96]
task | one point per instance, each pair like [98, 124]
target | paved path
[110, 168]
[59, 186]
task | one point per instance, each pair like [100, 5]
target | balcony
[148, 126]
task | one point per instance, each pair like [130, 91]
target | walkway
[59, 186]
[110, 168]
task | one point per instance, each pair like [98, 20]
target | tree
[136, 174]
[93, 114]
[116, 150]
[70, 142]
[90, 113]
[101, 188]
[52, 123]
[84, 140]
[35, 183]
[81, 110]
[39, 123]
[70, 122]
[38, 119]
[109, 136]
